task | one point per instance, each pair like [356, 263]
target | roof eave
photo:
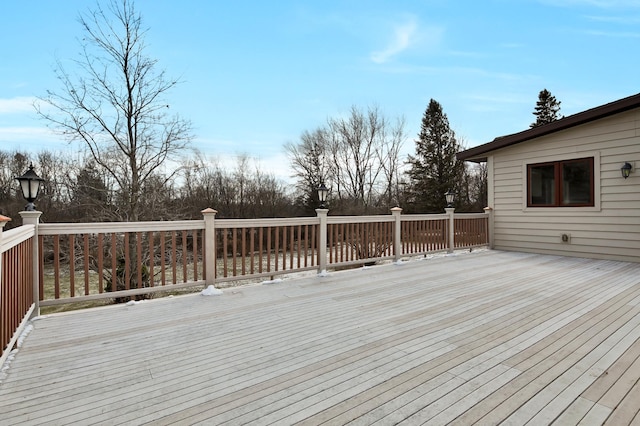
[478, 153]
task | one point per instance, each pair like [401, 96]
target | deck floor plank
[486, 336]
[489, 337]
[628, 411]
[566, 350]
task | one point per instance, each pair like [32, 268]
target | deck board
[489, 337]
[552, 356]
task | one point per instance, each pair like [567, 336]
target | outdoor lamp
[449, 196]
[626, 170]
[30, 185]
[322, 194]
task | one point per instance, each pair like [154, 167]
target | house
[559, 188]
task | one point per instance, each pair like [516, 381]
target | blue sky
[256, 74]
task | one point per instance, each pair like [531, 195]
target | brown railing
[97, 260]
[354, 240]
[471, 231]
[264, 247]
[423, 234]
[16, 284]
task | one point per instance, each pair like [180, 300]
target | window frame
[558, 184]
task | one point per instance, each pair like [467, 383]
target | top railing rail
[110, 227]
[15, 236]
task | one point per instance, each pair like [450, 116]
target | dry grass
[274, 265]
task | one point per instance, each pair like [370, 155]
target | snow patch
[40, 317]
[133, 302]
[277, 280]
[211, 291]
[24, 334]
[323, 273]
[4, 371]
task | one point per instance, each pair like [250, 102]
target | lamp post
[30, 184]
[450, 197]
[322, 194]
[322, 232]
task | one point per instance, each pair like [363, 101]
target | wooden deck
[487, 338]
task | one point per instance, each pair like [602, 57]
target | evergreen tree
[547, 109]
[434, 169]
[90, 200]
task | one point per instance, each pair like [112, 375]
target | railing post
[452, 231]
[397, 233]
[209, 245]
[322, 240]
[3, 222]
[489, 212]
[33, 218]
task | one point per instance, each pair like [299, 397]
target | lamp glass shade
[626, 170]
[322, 193]
[449, 197]
[30, 184]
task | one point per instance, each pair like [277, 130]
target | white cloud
[625, 34]
[467, 54]
[404, 36]
[17, 105]
[603, 4]
[623, 20]
[494, 102]
[31, 139]
[24, 133]
[512, 45]
[498, 99]
[273, 162]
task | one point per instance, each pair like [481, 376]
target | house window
[566, 183]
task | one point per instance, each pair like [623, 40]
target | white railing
[88, 261]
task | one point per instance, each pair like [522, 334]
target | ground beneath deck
[486, 338]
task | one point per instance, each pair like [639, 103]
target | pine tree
[547, 109]
[434, 169]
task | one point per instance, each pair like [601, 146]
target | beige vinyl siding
[610, 230]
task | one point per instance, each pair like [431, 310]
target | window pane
[542, 181]
[576, 182]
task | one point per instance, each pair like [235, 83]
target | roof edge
[477, 153]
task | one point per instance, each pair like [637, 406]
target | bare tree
[12, 164]
[54, 199]
[389, 158]
[241, 190]
[365, 150]
[357, 156]
[115, 104]
[310, 166]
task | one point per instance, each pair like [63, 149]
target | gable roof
[478, 153]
